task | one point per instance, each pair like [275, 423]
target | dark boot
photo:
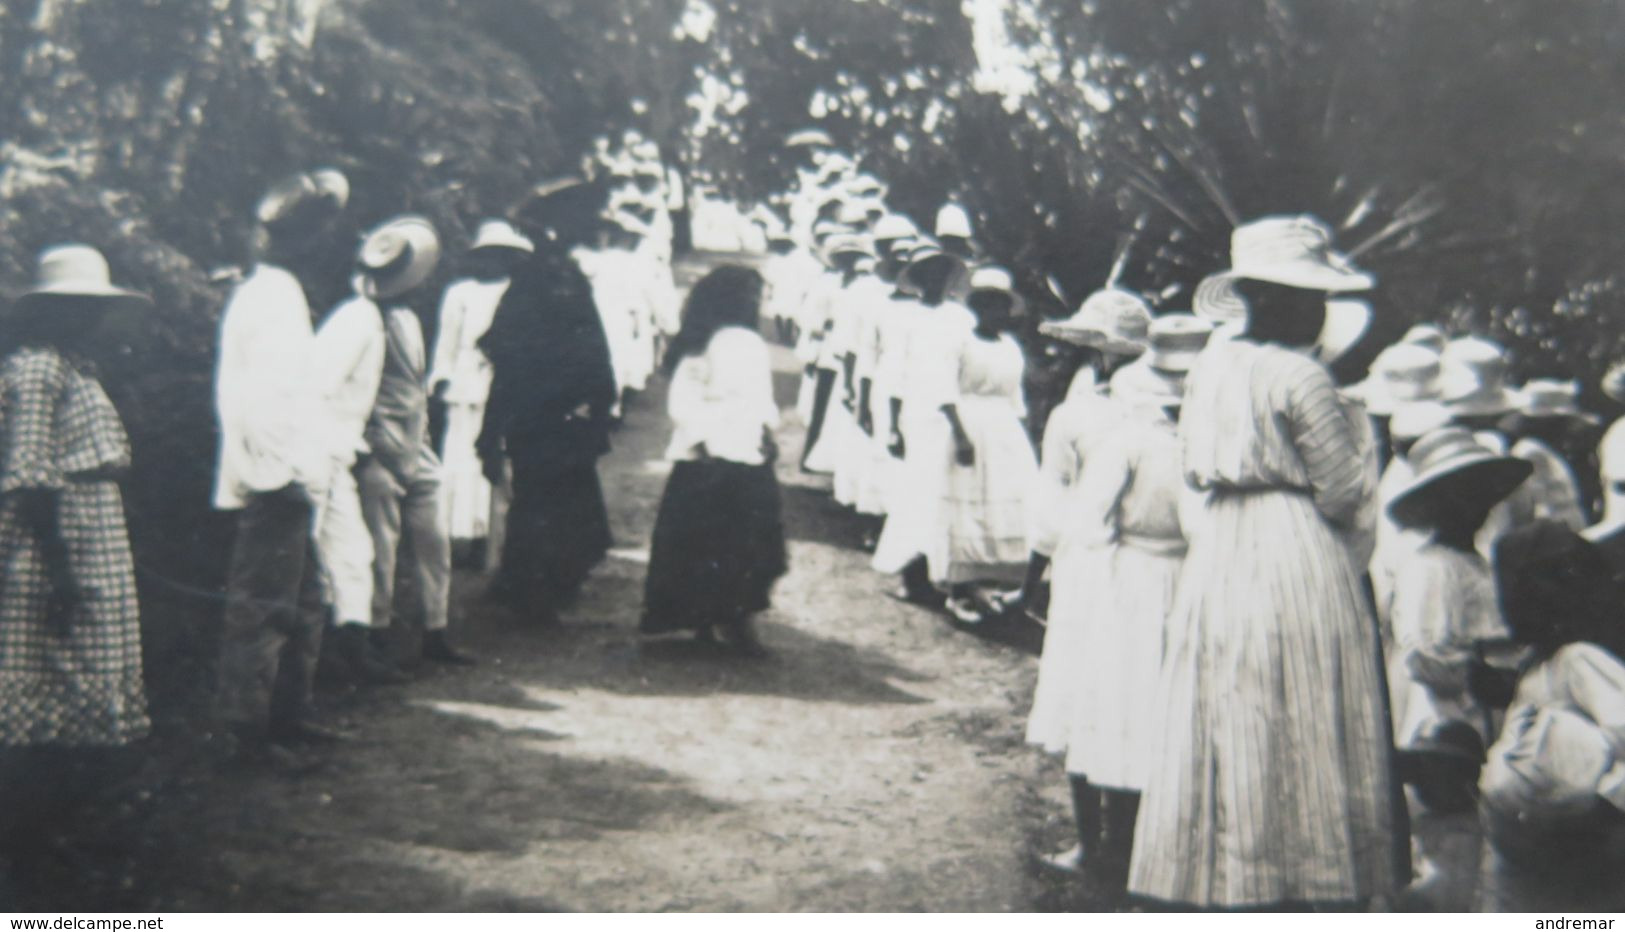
[438, 648]
[743, 639]
[1122, 811]
[362, 661]
[1086, 819]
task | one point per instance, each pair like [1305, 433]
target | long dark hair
[730, 296]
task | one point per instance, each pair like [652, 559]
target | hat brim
[1217, 301]
[1347, 322]
[1093, 339]
[1311, 276]
[1485, 403]
[420, 264]
[1487, 478]
[36, 299]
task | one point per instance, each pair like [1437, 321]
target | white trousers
[344, 547]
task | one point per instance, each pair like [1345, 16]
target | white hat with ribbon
[1475, 376]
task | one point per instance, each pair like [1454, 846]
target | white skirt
[1129, 589]
[465, 494]
[1060, 665]
[984, 505]
[914, 517]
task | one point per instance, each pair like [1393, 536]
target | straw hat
[809, 138]
[1347, 320]
[1175, 340]
[998, 279]
[305, 202]
[1554, 398]
[1415, 420]
[398, 256]
[1453, 466]
[1426, 335]
[1401, 374]
[1474, 378]
[73, 273]
[1293, 251]
[1111, 320]
[1216, 300]
[500, 236]
[953, 221]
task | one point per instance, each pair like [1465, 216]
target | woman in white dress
[1112, 330]
[1124, 549]
[983, 538]
[921, 436]
[1270, 776]
[460, 375]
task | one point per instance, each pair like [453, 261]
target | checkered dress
[58, 431]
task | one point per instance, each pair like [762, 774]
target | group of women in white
[1268, 592]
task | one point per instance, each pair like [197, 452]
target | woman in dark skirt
[547, 417]
[719, 539]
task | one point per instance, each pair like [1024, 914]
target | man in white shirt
[273, 471]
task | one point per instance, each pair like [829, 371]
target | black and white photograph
[812, 456]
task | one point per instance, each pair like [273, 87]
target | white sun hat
[1113, 320]
[1295, 251]
[1402, 374]
[500, 235]
[952, 220]
[398, 255]
[74, 272]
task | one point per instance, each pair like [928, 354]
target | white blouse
[465, 315]
[722, 399]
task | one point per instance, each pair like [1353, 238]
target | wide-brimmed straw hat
[75, 273]
[1217, 300]
[952, 220]
[1112, 320]
[1402, 374]
[303, 203]
[1293, 251]
[1474, 378]
[500, 236]
[1347, 320]
[398, 255]
[1453, 466]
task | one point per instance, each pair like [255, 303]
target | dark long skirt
[718, 546]
[558, 530]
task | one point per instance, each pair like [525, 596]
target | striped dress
[1269, 778]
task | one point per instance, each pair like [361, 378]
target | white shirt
[263, 398]
[346, 369]
[465, 315]
[722, 399]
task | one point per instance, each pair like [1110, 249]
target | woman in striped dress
[1269, 780]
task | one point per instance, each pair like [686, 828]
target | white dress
[1125, 551]
[929, 379]
[465, 316]
[1076, 427]
[984, 505]
[1443, 602]
[856, 464]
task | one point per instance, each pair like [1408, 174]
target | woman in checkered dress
[70, 640]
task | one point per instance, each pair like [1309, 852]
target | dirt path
[874, 763]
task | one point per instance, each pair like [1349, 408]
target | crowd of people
[1281, 614]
